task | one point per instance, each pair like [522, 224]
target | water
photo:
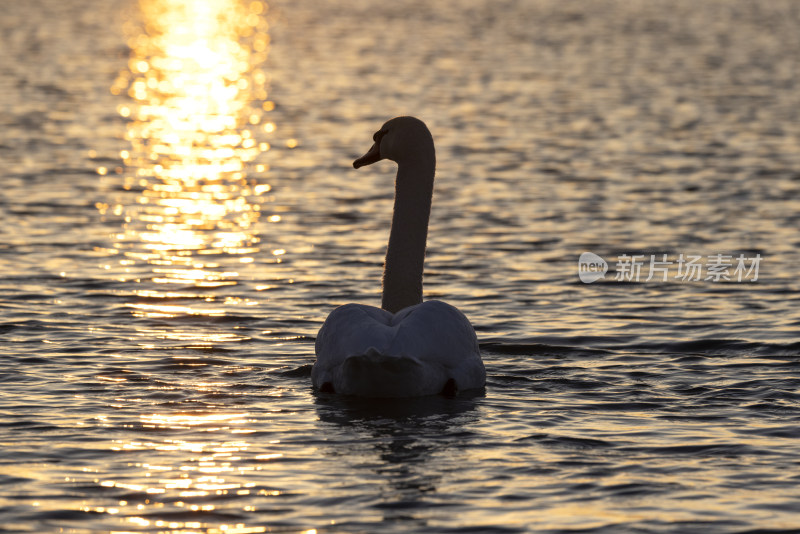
[179, 216]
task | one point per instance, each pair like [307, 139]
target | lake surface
[180, 214]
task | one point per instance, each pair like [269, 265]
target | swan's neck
[402, 275]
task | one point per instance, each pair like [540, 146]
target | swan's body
[409, 347]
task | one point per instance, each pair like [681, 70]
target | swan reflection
[401, 438]
[196, 124]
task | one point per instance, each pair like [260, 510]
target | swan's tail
[374, 374]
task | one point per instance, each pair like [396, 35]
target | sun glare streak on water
[197, 99]
[198, 94]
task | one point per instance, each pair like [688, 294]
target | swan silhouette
[406, 348]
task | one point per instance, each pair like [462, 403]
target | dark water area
[179, 215]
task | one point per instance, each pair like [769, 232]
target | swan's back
[422, 350]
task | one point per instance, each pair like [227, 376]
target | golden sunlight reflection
[194, 486]
[198, 97]
[195, 96]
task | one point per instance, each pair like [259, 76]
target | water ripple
[164, 268]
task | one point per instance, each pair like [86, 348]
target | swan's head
[399, 139]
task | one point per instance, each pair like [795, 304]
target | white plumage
[367, 351]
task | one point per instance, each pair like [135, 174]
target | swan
[406, 348]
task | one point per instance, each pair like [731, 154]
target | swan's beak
[370, 157]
